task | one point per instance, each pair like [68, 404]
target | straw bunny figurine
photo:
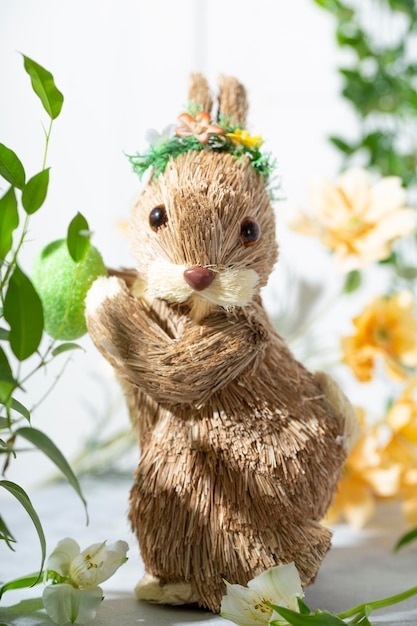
[241, 446]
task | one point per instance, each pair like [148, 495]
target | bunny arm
[187, 369]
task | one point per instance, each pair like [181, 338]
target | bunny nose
[198, 278]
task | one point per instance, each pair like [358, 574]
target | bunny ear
[199, 92]
[233, 104]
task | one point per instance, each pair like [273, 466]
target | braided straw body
[241, 446]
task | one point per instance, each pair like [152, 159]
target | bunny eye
[158, 217]
[249, 231]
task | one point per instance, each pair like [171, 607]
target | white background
[123, 68]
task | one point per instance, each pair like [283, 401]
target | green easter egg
[62, 285]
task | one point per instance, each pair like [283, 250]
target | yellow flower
[242, 136]
[402, 418]
[386, 328]
[370, 473]
[358, 221]
[383, 464]
[354, 500]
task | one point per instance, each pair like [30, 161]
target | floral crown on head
[196, 131]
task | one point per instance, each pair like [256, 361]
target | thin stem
[51, 387]
[379, 604]
[13, 262]
[47, 137]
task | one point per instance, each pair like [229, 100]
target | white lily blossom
[90, 567]
[249, 606]
[67, 604]
[97, 563]
[74, 595]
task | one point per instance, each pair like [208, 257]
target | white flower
[248, 606]
[88, 568]
[97, 563]
[74, 595]
[65, 603]
[156, 139]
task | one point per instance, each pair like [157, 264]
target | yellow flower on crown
[357, 220]
[386, 329]
[242, 136]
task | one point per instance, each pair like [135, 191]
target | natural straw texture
[232, 100]
[199, 92]
[241, 446]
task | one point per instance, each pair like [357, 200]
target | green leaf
[44, 86]
[11, 167]
[24, 500]
[34, 192]
[7, 382]
[78, 238]
[66, 347]
[19, 408]
[408, 6]
[23, 311]
[319, 618]
[353, 281]
[304, 609]
[390, 260]
[342, 145]
[43, 443]
[6, 535]
[9, 221]
[405, 539]
[4, 334]
[408, 272]
[30, 580]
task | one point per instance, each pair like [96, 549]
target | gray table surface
[361, 565]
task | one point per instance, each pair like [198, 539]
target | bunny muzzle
[226, 287]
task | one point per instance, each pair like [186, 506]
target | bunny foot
[149, 588]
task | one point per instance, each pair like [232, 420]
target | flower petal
[280, 584]
[356, 184]
[186, 118]
[396, 224]
[244, 607]
[115, 556]
[61, 558]
[64, 603]
[387, 195]
[97, 563]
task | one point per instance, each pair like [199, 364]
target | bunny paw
[102, 288]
